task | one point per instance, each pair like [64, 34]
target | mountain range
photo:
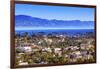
[29, 21]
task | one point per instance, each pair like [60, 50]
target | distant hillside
[28, 21]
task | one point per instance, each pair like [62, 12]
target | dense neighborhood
[54, 49]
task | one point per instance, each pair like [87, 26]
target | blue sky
[55, 12]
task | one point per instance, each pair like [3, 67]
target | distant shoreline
[51, 29]
[57, 32]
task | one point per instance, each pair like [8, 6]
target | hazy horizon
[41, 28]
[50, 19]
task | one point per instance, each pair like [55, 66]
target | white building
[27, 49]
[47, 49]
[23, 63]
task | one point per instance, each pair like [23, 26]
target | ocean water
[60, 31]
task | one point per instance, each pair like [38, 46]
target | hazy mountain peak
[28, 21]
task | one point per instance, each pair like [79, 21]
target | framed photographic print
[50, 34]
